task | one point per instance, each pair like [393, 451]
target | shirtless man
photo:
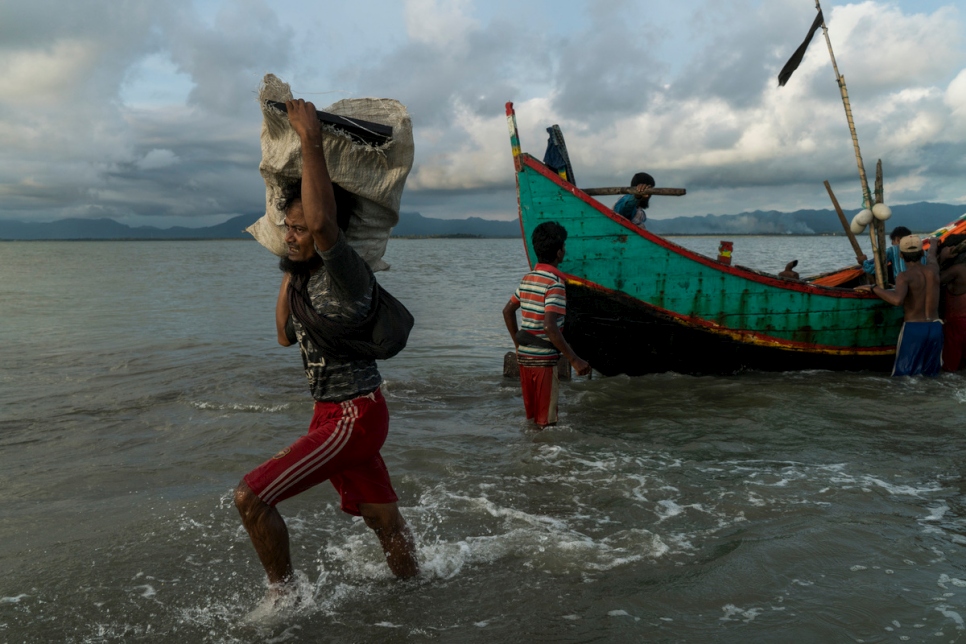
[953, 278]
[920, 346]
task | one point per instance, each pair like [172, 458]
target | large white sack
[375, 175]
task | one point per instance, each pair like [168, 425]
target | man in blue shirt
[633, 206]
[895, 264]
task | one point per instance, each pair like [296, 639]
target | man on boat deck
[953, 277]
[350, 423]
[542, 296]
[920, 346]
[894, 262]
[633, 206]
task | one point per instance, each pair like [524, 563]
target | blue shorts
[919, 350]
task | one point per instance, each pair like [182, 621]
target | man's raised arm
[318, 199]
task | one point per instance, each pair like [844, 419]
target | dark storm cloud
[609, 68]
[226, 60]
[485, 68]
[746, 45]
[96, 157]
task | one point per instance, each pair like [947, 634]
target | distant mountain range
[919, 217]
[411, 224]
[922, 217]
[108, 229]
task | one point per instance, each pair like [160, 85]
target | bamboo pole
[859, 255]
[877, 252]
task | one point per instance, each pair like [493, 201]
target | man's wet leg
[268, 533]
[394, 535]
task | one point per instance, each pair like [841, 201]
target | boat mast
[877, 252]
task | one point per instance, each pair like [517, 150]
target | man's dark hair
[344, 201]
[912, 258]
[900, 232]
[548, 238]
[642, 177]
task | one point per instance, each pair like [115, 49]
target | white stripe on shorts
[318, 457]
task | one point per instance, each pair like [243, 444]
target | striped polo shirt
[542, 290]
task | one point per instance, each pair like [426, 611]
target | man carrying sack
[327, 278]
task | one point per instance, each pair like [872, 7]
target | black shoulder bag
[381, 335]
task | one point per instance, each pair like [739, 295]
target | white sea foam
[953, 615]
[732, 613]
[622, 613]
[13, 600]
[240, 407]
[147, 590]
[946, 579]
[936, 513]
[902, 490]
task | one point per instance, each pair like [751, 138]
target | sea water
[140, 380]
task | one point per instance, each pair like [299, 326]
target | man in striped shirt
[542, 301]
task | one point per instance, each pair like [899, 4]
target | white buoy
[864, 217]
[856, 227]
[881, 211]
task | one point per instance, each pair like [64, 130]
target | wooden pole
[859, 255]
[878, 253]
[880, 225]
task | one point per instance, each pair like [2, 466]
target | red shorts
[342, 446]
[954, 347]
[540, 386]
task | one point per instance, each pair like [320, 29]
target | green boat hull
[639, 303]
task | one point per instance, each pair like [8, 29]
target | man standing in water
[351, 420]
[953, 277]
[920, 346]
[539, 343]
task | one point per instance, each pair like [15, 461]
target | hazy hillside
[413, 224]
[109, 229]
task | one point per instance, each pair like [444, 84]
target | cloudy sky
[145, 112]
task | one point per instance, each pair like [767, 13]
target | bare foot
[279, 601]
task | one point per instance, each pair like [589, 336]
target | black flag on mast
[799, 54]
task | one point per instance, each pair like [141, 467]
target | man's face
[895, 241]
[301, 247]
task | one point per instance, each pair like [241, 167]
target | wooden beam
[859, 255]
[663, 192]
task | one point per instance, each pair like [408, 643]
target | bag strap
[323, 332]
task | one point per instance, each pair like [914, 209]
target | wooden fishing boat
[639, 303]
